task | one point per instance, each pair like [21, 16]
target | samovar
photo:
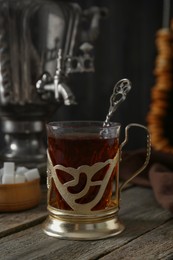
[41, 43]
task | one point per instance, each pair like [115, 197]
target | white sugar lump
[8, 173]
[9, 168]
[20, 178]
[20, 170]
[7, 179]
[1, 173]
[32, 174]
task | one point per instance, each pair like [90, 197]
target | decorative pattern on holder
[71, 198]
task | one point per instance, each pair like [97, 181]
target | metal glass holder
[98, 224]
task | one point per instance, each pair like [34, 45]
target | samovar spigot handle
[56, 84]
[61, 88]
[58, 74]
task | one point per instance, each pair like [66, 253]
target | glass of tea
[83, 179]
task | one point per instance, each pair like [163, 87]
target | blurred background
[125, 48]
[31, 35]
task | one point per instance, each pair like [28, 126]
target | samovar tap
[56, 84]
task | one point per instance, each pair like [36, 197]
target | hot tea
[83, 149]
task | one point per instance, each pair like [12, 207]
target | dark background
[125, 48]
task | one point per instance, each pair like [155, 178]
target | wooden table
[148, 234]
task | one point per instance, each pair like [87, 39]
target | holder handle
[148, 152]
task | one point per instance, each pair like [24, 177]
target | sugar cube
[9, 168]
[7, 179]
[32, 174]
[1, 173]
[19, 178]
[20, 170]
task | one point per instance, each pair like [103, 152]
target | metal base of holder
[65, 229]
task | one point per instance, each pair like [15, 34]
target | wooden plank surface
[155, 244]
[142, 216]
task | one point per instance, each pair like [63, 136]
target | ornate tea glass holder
[76, 211]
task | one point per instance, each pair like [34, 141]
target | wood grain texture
[155, 244]
[140, 213]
